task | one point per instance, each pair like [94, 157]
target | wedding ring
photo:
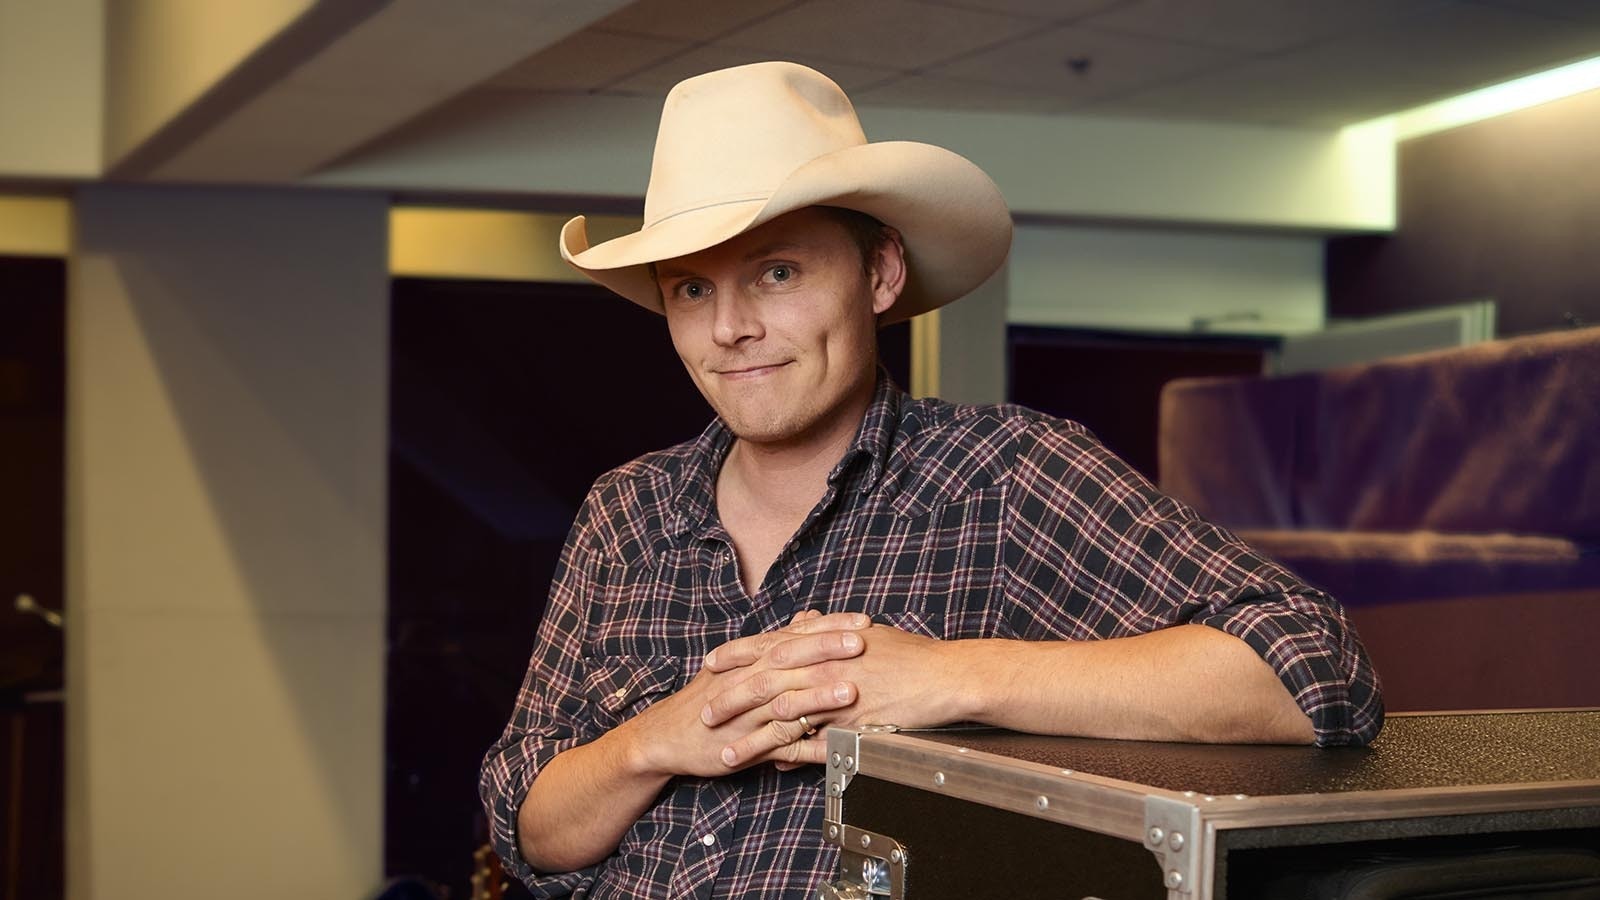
[806, 724]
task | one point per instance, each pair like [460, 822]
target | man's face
[777, 326]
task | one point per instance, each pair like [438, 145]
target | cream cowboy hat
[739, 147]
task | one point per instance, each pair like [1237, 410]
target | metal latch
[870, 865]
[1172, 833]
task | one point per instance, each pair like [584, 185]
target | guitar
[488, 878]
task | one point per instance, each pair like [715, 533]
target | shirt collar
[695, 500]
[874, 438]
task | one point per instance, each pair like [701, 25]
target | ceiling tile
[586, 61]
[1445, 52]
[658, 79]
[923, 91]
[1192, 59]
[1053, 10]
[1112, 64]
[1277, 92]
[895, 34]
[689, 20]
[1253, 25]
[1575, 10]
[1462, 46]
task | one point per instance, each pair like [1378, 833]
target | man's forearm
[584, 801]
[1188, 683]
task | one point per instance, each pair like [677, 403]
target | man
[832, 552]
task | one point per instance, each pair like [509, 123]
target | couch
[1450, 500]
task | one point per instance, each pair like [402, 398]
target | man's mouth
[744, 370]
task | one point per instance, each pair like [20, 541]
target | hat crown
[736, 134]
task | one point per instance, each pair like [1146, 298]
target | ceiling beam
[342, 74]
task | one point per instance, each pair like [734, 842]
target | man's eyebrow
[669, 270]
[772, 249]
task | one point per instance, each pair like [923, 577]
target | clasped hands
[745, 705]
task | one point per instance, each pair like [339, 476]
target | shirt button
[708, 840]
[620, 693]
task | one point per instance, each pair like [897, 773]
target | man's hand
[783, 674]
[587, 797]
[900, 678]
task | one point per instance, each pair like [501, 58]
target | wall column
[226, 444]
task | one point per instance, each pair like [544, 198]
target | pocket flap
[615, 683]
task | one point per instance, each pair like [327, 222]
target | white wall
[1092, 167]
[227, 435]
[1163, 280]
[1058, 166]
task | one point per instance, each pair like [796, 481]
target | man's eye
[692, 290]
[780, 274]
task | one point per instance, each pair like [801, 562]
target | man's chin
[753, 431]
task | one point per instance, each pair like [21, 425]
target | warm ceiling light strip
[35, 226]
[481, 243]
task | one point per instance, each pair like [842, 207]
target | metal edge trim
[1405, 803]
[1077, 799]
[1425, 713]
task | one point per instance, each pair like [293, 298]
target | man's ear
[887, 273]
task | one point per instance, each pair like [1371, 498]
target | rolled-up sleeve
[552, 710]
[1094, 550]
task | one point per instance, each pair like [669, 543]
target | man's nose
[736, 318]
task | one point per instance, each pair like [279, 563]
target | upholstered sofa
[1451, 500]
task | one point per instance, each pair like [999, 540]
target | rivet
[1241, 796]
[849, 763]
[961, 750]
[1208, 798]
[866, 840]
[834, 789]
[1156, 835]
[1041, 802]
[834, 760]
[1176, 841]
[1188, 793]
[833, 832]
[1066, 771]
[1174, 880]
[938, 779]
[896, 856]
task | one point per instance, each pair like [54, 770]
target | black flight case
[1478, 804]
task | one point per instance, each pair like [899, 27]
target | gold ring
[806, 724]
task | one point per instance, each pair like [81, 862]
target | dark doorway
[32, 553]
[1111, 382]
[507, 401]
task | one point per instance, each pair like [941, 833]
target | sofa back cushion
[1228, 445]
[1500, 436]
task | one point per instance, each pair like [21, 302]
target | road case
[984, 813]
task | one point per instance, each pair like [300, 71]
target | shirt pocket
[916, 621]
[620, 687]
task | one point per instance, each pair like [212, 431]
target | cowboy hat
[739, 147]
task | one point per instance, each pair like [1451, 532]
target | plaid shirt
[948, 521]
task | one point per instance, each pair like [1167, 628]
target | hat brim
[954, 223]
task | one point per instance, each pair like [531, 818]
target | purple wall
[1507, 208]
